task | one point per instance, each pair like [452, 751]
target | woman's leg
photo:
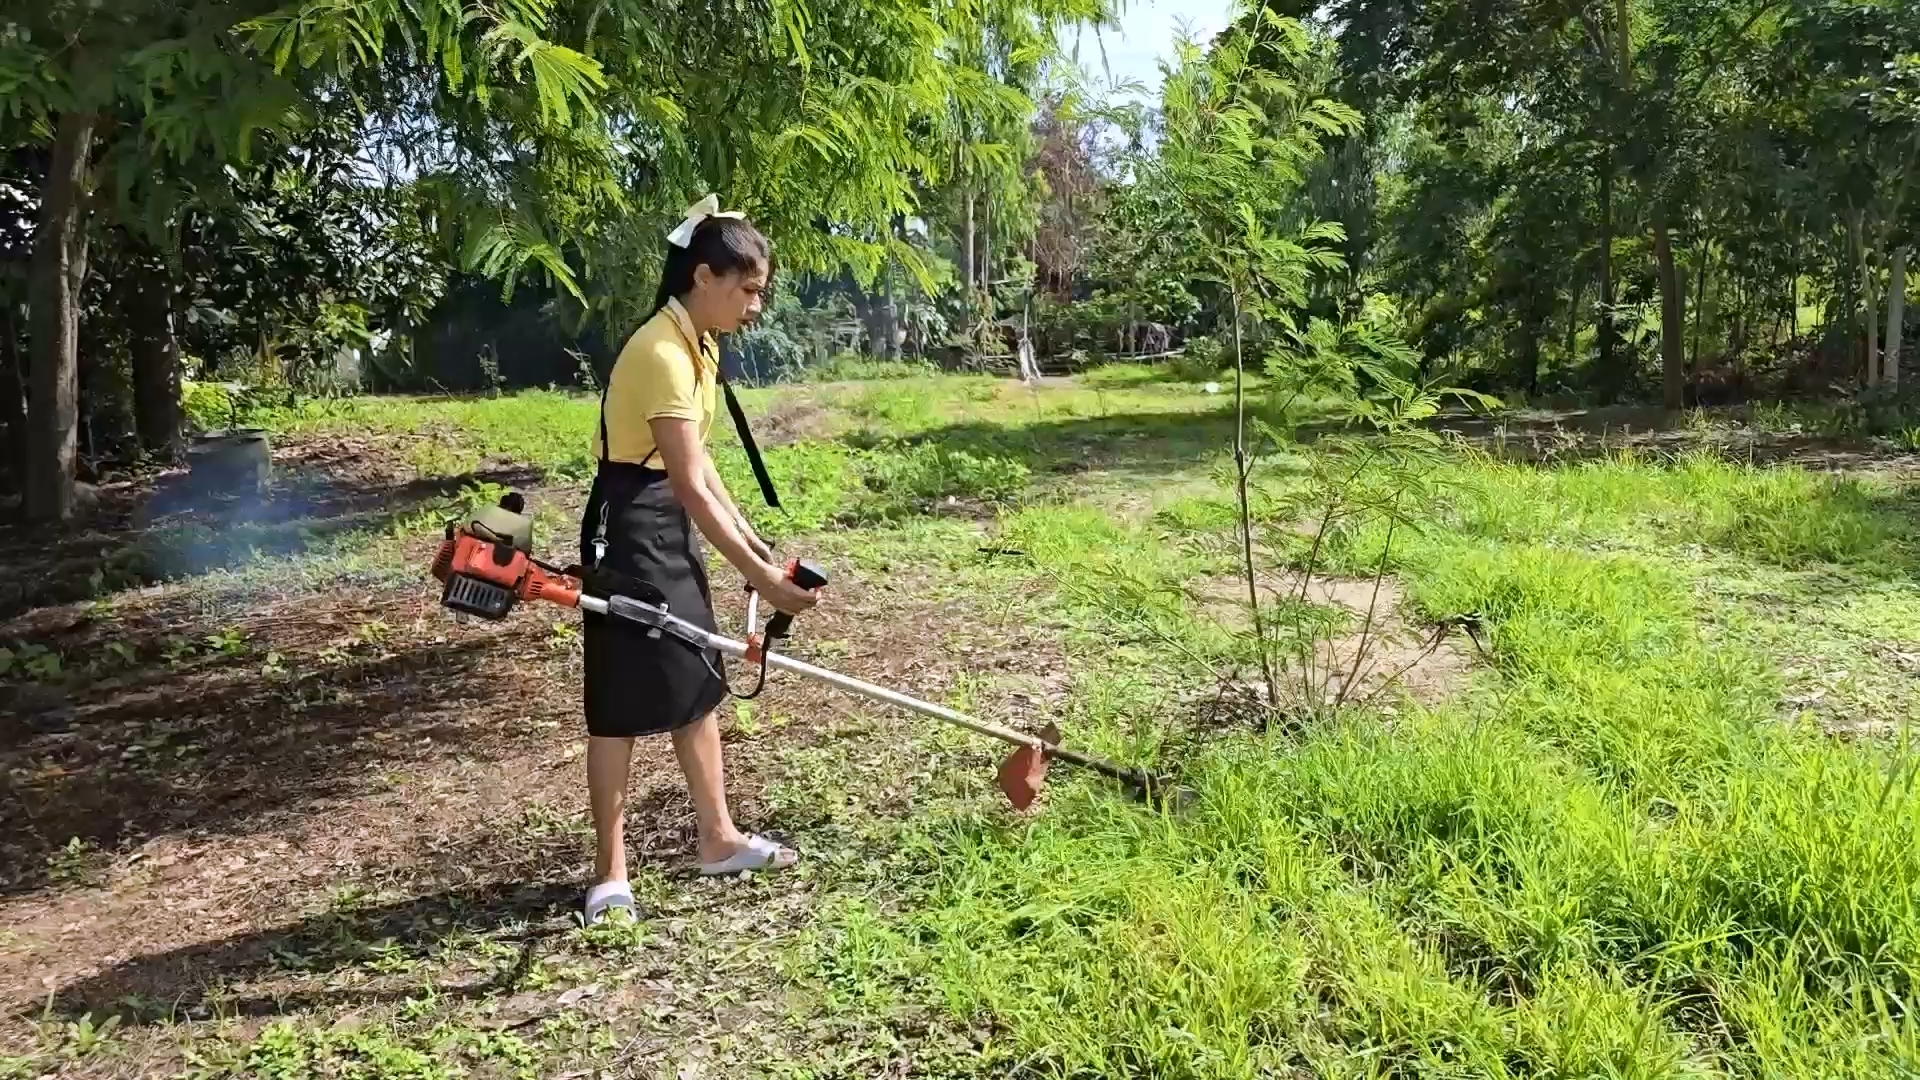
[697, 746]
[607, 764]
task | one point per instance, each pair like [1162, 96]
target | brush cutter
[486, 569]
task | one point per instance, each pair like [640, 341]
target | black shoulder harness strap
[739, 425]
[746, 441]
[606, 445]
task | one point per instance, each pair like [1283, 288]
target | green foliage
[29, 660]
[1510, 142]
[849, 367]
[621, 933]
[285, 1051]
[78, 863]
[1535, 877]
[287, 259]
[1240, 129]
[909, 478]
[270, 163]
[71, 1041]
[1236, 136]
[207, 406]
[1202, 360]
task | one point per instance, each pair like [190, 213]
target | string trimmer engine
[486, 564]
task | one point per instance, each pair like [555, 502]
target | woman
[655, 478]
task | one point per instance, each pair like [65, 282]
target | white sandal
[606, 896]
[758, 854]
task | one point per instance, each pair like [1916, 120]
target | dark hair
[725, 245]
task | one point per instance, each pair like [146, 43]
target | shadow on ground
[238, 739]
[138, 535]
[1866, 530]
[284, 969]
[1547, 436]
[1142, 443]
[1145, 443]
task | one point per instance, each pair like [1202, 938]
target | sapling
[1236, 135]
[1239, 126]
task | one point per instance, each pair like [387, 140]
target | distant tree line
[297, 194]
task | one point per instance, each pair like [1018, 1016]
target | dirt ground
[1372, 649]
[1545, 435]
[261, 801]
[269, 797]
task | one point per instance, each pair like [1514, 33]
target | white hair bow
[682, 235]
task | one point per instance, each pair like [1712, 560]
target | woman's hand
[772, 584]
[758, 546]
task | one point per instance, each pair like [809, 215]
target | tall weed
[1612, 860]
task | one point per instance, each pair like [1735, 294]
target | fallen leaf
[577, 994]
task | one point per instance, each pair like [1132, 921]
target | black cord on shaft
[759, 684]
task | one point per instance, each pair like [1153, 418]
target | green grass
[1621, 849]
[1610, 858]
[285, 1051]
[852, 367]
[912, 445]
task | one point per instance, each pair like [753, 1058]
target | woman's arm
[689, 471]
[719, 489]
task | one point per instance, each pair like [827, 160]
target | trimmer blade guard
[1022, 775]
[1024, 772]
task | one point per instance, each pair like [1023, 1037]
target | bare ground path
[296, 817]
[336, 804]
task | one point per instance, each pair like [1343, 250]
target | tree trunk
[889, 315]
[1623, 16]
[1615, 379]
[1573, 317]
[1896, 313]
[13, 393]
[1529, 356]
[156, 362]
[1673, 358]
[1855, 292]
[966, 255]
[866, 310]
[1870, 310]
[876, 332]
[1701, 282]
[986, 253]
[58, 271]
[1242, 467]
[1737, 336]
[1793, 281]
[1605, 337]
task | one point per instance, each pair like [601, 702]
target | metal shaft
[621, 607]
[893, 697]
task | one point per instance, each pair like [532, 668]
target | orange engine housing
[487, 579]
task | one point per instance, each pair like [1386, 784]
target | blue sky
[1146, 32]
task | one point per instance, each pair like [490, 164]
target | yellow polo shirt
[660, 372]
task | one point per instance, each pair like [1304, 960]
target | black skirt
[637, 685]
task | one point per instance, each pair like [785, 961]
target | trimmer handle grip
[807, 576]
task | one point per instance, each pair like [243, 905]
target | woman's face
[726, 302]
